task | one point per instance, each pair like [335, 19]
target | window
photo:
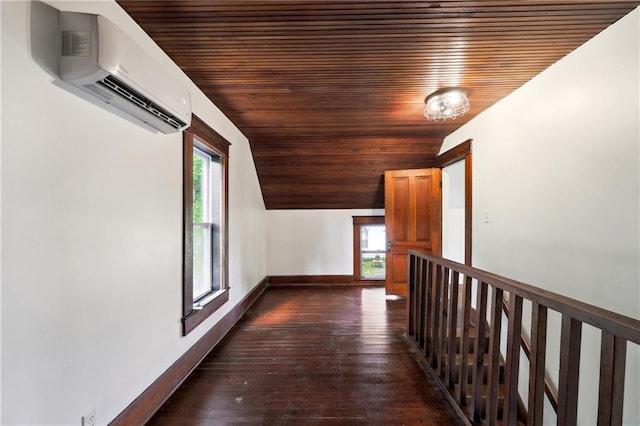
[369, 243]
[205, 163]
[207, 202]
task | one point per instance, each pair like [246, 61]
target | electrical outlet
[90, 419]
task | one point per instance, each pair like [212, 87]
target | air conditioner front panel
[124, 59]
[100, 59]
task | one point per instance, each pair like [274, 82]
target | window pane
[201, 185]
[207, 217]
[217, 184]
[201, 261]
[373, 266]
[215, 175]
[372, 251]
[373, 237]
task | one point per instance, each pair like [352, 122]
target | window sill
[202, 311]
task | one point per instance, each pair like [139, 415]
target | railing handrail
[615, 323]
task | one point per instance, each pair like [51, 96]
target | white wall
[0, 221]
[453, 191]
[91, 235]
[556, 165]
[311, 242]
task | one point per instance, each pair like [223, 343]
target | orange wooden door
[413, 210]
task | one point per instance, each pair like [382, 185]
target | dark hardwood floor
[312, 356]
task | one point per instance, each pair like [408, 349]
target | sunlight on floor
[393, 297]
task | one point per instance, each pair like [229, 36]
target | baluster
[537, 364]
[428, 279]
[494, 356]
[435, 315]
[436, 312]
[422, 304]
[417, 305]
[478, 354]
[512, 364]
[463, 376]
[570, 338]
[411, 299]
[612, 366]
[444, 284]
[453, 327]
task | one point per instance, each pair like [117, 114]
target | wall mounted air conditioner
[99, 58]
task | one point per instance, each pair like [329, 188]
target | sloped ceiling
[331, 94]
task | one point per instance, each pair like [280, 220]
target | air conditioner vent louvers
[127, 92]
[98, 91]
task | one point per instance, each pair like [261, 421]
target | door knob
[389, 245]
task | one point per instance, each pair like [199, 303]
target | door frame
[462, 152]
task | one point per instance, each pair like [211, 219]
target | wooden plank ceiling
[331, 94]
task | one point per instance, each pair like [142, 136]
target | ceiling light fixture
[446, 104]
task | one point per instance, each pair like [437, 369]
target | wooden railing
[549, 389]
[440, 324]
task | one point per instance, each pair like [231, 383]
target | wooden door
[413, 210]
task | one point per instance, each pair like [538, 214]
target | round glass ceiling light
[446, 104]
